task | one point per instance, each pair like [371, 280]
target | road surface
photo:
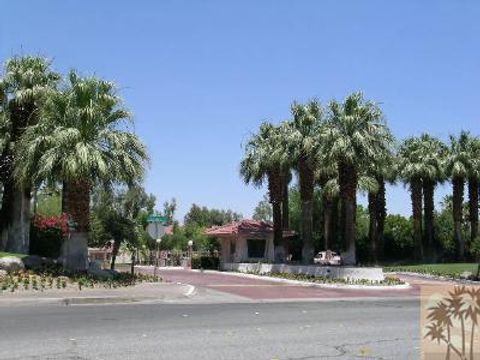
[366, 329]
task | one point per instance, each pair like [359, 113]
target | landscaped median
[389, 282]
[36, 274]
[27, 280]
[454, 271]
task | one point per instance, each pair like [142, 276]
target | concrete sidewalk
[144, 292]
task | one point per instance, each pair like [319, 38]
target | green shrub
[205, 262]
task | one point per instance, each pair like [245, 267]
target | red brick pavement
[258, 289]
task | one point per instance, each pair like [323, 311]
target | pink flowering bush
[47, 235]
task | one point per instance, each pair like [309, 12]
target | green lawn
[3, 254]
[450, 270]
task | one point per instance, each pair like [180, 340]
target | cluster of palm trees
[71, 130]
[346, 147]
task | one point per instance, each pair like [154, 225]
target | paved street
[387, 329]
[226, 317]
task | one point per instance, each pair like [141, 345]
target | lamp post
[158, 241]
[190, 246]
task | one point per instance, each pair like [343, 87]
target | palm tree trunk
[15, 210]
[458, 189]
[381, 215]
[76, 203]
[15, 218]
[341, 223]
[334, 232]
[16, 228]
[348, 180]
[307, 183]
[276, 195]
[473, 185]
[64, 195]
[285, 208]
[373, 225]
[327, 220]
[429, 208]
[286, 213]
[6, 211]
[416, 195]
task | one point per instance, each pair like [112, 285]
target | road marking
[247, 285]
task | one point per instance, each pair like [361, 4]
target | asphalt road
[367, 329]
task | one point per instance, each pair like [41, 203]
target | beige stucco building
[245, 241]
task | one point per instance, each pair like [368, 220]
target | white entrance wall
[334, 272]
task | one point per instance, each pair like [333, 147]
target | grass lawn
[453, 270]
[4, 254]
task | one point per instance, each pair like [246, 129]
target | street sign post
[156, 226]
[157, 219]
[156, 230]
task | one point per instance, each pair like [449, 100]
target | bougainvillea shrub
[48, 234]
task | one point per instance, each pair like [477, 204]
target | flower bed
[388, 281]
[46, 280]
[451, 271]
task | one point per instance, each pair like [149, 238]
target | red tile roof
[241, 227]
[245, 227]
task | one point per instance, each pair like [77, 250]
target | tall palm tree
[286, 178]
[433, 152]
[457, 168]
[354, 137]
[266, 160]
[473, 179]
[380, 172]
[326, 178]
[81, 139]
[305, 148]
[409, 166]
[420, 163]
[26, 83]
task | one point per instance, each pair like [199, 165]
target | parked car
[327, 258]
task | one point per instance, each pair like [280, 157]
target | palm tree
[81, 140]
[409, 166]
[473, 185]
[354, 137]
[380, 173]
[420, 163]
[326, 178]
[433, 153]
[457, 168]
[286, 178]
[305, 147]
[375, 176]
[266, 160]
[26, 83]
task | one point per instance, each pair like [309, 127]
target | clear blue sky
[201, 75]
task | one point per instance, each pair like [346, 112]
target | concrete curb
[188, 291]
[436, 278]
[162, 268]
[309, 283]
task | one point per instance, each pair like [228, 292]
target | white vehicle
[327, 258]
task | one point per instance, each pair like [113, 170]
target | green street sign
[157, 219]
